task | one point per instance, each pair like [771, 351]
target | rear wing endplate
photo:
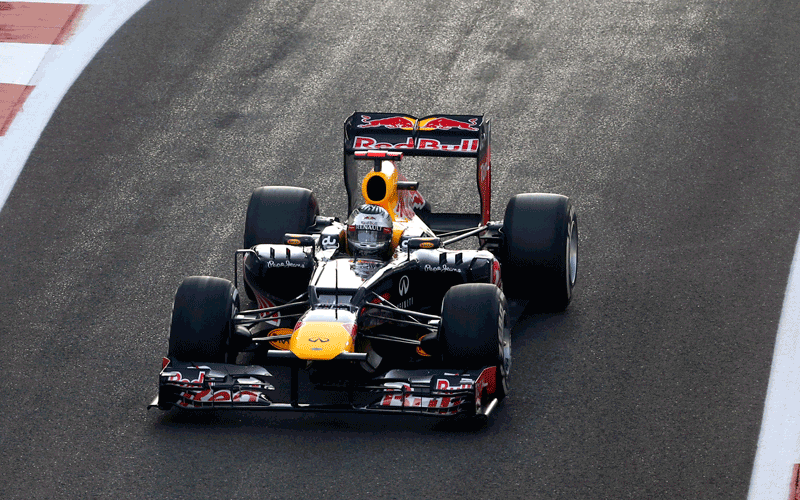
[435, 135]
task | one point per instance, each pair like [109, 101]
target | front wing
[433, 392]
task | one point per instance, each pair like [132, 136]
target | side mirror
[424, 243]
[300, 240]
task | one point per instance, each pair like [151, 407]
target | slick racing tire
[276, 210]
[540, 250]
[475, 333]
[202, 320]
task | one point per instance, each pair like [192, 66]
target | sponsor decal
[264, 303]
[293, 241]
[426, 244]
[392, 122]
[178, 379]
[443, 123]
[467, 145]
[283, 263]
[319, 339]
[443, 384]
[406, 303]
[196, 398]
[245, 396]
[408, 201]
[427, 144]
[417, 201]
[441, 268]
[330, 242]
[403, 397]
[282, 345]
[404, 284]
[367, 227]
[371, 143]
[486, 381]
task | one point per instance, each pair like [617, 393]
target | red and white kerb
[27, 31]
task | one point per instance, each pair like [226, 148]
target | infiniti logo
[403, 286]
[318, 339]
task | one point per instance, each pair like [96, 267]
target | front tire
[202, 320]
[475, 331]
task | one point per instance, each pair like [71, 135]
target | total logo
[427, 144]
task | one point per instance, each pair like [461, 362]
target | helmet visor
[370, 235]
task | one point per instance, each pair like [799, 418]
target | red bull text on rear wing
[435, 135]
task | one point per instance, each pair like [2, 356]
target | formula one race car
[373, 314]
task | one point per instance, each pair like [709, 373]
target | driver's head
[369, 232]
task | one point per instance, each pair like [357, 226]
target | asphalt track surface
[673, 125]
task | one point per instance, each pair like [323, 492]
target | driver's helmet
[369, 232]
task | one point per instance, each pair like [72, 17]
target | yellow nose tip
[322, 340]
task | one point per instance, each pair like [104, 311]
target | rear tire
[475, 332]
[202, 320]
[540, 249]
[276, 210]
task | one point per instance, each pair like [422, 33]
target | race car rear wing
[436, 135]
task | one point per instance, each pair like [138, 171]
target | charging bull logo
[392, 122]
[449, 124]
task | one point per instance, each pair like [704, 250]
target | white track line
[779, 441]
